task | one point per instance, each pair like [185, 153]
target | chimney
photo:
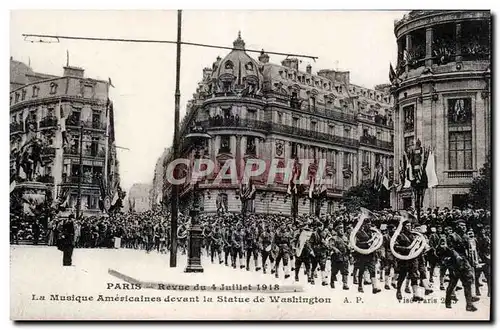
[73, 71]
[263, 57]
[309, 69]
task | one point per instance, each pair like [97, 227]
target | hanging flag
[377, 179]
[292, 185]
[430, 170]
[385, 182]
[392, 74]
[409, 170]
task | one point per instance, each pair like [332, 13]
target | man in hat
[339, 256]
[282, 239]
[66, 239]
[434, 238]
[303, 250]
[265, 240]
[460, 269]
[389, 260]
[318, 241]
[406, 268]
[251, 247]
[365, 262]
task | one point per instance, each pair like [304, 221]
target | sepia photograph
[186, 165]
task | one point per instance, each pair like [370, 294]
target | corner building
[258, 109]
[442, 98]
[48, 108]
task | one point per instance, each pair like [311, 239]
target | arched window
[229, 65]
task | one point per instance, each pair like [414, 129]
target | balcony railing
[460, 175]
[49, 121]
[85, 179]
[277, 128]
[16, 128]
[85, 153]
[373, 141]
[71, 121]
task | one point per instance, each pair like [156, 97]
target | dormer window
[35, 91]
[17, 97]
[53, 88]
[23, 95]
[229, 65]
[249, 66]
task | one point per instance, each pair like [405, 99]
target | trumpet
[416, 247]
[376, 240]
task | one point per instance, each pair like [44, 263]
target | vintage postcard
[250, 165]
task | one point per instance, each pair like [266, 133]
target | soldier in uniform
[460, 269]
[303, 251]
[389, 260]
[282, 240]
[265, 245]
[406, 267]
[226, 242]
[365, 262]
[65, 241]
[319, 246]
[484, 252]
[434, 239]
[251, 247]
[215, 244]
[339, 256]
[237, 238]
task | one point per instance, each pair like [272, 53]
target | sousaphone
[376, 239]
[417, 246]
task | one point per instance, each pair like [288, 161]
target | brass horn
[376, 240]
[417, 246]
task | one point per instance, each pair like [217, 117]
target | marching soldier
[226, 243]
[303, 251]
[265, 246]
[365, 262]
[484, 251]
[215, 244]
[319, 245]
[460, 269]
[406, 267]
[237, 238]
[65, 242]
[339, 256]
[389, 260]
[282, 240]
[251, 247]
[434, 239]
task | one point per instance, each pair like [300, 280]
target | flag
[392, 74]
[385, 182]
[409, 171]
[110, 83]
[67, 57]
[430, 170]
[377, 179]
[292, 186]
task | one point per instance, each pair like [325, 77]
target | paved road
[37, 272]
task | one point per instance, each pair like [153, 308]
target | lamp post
[197, 137]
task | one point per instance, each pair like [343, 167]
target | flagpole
[80, 176]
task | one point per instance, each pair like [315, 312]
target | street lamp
[197, 137]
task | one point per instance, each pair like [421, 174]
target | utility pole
[174, 197]
[80, 176]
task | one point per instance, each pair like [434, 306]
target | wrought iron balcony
[373, 141]
[85, 153]
[71, 121]
[74, 179]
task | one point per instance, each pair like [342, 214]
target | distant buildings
[48, 116]
[442, 88]
[258, 109]
[158, 184]
[138, 198]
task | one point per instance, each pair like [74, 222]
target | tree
[479, 195]
[364, 195]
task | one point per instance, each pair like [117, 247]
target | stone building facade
[442, 97]
[53, 111]
[259, 109]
